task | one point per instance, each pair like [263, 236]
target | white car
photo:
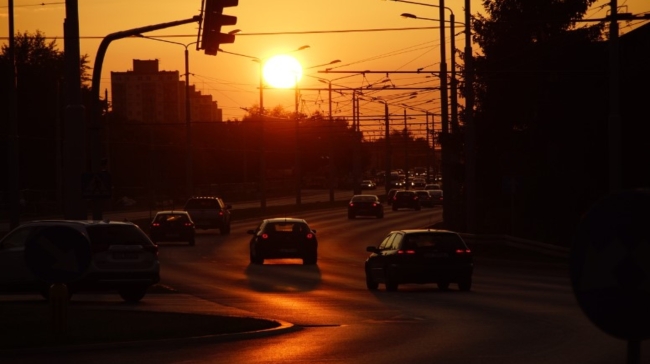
[84, 255]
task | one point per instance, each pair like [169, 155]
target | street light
[260, 61]
[189, 188]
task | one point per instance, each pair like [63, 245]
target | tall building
[149, 95]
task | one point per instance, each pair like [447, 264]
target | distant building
[149, 95]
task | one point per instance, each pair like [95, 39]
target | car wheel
[371, 284]
[256, 259]
[310, 260]
[225, 230]
[132, 294]
[443, 286]
[465, 284]
[391, 286]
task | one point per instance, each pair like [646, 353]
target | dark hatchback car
[172, 226]
[426, 200]
[406, 199]
[420, 256]
[209, 212]
[365, 205]
[279, 238]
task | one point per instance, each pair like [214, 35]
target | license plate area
[125, 255]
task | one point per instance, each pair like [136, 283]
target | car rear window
[201, 204]
[117, 235]
[287, 227]
[439, 241]
[364, 199]
[171, 218]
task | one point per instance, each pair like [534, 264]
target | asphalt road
[521, 308]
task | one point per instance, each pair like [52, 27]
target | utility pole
[470, 127]
[614, 120]
[74, 151]
[13, 147]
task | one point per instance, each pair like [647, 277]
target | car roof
[169, 212]
[284, 219]
[77, 222]
[417, 231]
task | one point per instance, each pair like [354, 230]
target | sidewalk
[104, 320]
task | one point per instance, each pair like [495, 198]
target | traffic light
[213, 19]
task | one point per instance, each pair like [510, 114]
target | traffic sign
[610, 264]
[96, 185]
[58, 254]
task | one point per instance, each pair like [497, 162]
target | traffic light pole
[95, 112]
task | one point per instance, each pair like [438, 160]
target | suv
[406, 199]
[282, 237]
[420, 256]
[209, 213]
[85, 255]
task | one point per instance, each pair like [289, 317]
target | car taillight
[409, 251]
[220, 213]
[463, 251]
[265, 236]
[374, 204]
[151, 249]
[351, 204]
[310, 236]
[188, 224]
[155, 224]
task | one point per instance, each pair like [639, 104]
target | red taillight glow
[409, 251]
[374, 204]
[188, 224]
[265, 236]
[155, 224]
[463, 251]
[351, 204]
[310, 236]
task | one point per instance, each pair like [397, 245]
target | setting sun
[282, 71]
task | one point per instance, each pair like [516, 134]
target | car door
[13, 268]
[377, 261]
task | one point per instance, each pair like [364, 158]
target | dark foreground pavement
[28, 323]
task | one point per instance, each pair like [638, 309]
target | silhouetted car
[120, 257]
[283, 237]
[365, 205]
[418, 183]
[391, 194]
[209, 213]
[367, 184]
[172, 226]
[425, 198]
[406, 199]
[436, 196]
[420, 256]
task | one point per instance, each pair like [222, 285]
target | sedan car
[436, 196]
[172, 226]
[86, 255]
[367, 184]
[365, 205]
[425, 198]
[406, 199]
[420, 256]
[283, 237]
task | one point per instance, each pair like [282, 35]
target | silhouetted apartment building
[146, 94]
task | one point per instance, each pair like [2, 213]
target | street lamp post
[189, 184]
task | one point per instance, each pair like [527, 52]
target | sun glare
[282, 71]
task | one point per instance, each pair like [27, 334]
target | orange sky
[363, 34]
